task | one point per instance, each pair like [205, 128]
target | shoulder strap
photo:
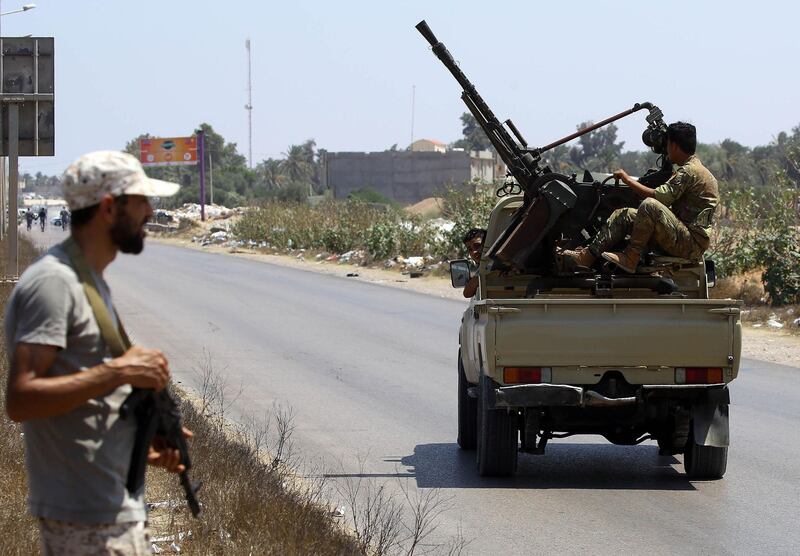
[115, 337]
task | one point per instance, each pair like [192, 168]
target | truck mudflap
[710, 425]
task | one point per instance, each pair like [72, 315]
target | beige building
[428, 146]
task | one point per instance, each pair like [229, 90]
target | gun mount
[557, 210]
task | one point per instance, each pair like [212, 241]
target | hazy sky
[342, 72]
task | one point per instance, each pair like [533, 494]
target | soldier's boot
[581, 256]
[628, 260]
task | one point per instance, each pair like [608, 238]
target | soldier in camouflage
[675, 217]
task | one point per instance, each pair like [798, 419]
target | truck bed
[640, 337]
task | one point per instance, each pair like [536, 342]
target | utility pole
[249, 107]
[413, 98]
[201, 160]
[211, 177]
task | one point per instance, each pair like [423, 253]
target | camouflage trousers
[652, 224]
[78, 539]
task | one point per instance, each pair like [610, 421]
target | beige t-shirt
[77, 462]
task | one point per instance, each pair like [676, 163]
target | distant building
[408, 176]
[428, 146]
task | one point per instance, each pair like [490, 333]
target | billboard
[27, 79]
[169, 151]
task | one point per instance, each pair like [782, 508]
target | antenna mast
[249, 107]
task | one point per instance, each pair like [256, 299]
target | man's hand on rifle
[161, 455]
[143, 368]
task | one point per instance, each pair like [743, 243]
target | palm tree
[296, 166]
[270, 172]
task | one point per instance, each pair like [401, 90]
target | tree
[474, 137]
[598, 149]
[296, 166]
[270, 173]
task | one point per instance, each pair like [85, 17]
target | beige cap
[101, 173]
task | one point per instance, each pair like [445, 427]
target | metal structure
[249, 107]
[27, 112]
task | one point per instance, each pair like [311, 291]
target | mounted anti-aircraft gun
[557, 209]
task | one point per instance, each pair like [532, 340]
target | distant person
[64, 215]
[29, 217]
[473, 240]
[677, 217]
[63, 384]
[42, 217]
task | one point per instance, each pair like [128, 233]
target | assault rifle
[547, 195]
[157, 414]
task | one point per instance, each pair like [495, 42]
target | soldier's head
[682, 136]
[473, 240]
[108, 193]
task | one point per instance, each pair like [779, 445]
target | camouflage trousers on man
[651, 225]
[76, 539]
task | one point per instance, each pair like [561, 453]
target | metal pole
[249, 108]
[413, 98]
[13, 175]
[211, 178]
[201, 160]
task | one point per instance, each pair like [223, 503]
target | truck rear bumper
[559, 395]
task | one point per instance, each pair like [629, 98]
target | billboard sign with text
[170, 151]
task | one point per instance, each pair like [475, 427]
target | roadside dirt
[775, 346]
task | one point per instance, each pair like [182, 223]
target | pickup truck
[628, 357]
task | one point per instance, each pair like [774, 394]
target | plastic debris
[165, 504]
[338, 512]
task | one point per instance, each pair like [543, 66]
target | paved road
[370, 372]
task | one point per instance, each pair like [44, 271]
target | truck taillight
[698, 375]
[526, 375]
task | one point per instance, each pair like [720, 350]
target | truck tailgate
[616, 332]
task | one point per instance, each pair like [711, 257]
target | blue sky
[342, 72]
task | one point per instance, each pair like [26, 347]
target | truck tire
[467, 412]
[704, 462]
[498, 437]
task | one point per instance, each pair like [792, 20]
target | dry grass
[255, 503]
[252, 502]
[20, 533]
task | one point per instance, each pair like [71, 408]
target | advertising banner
[169, 151]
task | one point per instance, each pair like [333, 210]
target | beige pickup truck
[628, 357]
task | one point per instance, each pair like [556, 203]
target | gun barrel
[426, 32]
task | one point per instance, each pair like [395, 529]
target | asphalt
[370, 375]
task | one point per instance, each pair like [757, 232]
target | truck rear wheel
[498, 442]
[467, 411]
[704, 462]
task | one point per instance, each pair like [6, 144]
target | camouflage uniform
[684, 231]
[73, 539]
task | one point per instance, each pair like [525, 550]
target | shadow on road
[564, 466]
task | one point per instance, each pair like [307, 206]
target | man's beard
[127, 235]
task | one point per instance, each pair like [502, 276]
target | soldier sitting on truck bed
[473, 240]
[676, 217]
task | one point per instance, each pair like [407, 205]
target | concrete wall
[406, 177]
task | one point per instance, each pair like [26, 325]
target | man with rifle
[73, 368]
